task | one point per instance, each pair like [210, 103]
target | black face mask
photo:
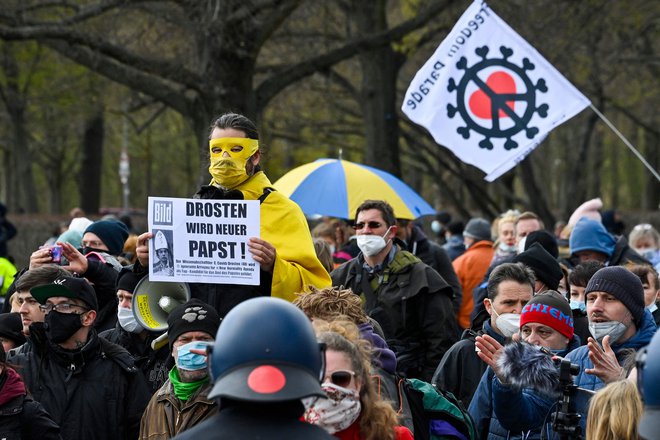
[61, 326]
[87, 250]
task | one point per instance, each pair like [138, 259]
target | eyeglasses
[342, 378]
[372, 225]
[62, 308]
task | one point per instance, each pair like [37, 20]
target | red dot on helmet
[266, 379]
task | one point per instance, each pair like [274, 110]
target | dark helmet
[648, 376]
[266, 351]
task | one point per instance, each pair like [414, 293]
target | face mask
[336, 413]
[332, 248]
[371, 245]
[436, 226]
[127, 321]
[599, 330]
[87, 250]
[228, 171]
[186, 360]
[652, 308]
[61, 326]
[649, 253]
[578, 305]
[507, 323]
[507, 249]
[521, 245]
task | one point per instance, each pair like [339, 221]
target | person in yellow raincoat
[285, 250]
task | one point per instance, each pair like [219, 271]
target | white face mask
[336, 413]
[507, 323]
[521, 245]
[371, 245]
[127, 320]
[652, 307]
[436, 226]
[507, 249]
[599, 330]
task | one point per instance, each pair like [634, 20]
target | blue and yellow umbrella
[336, 188]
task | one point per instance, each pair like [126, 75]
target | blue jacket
[501, 413]
[580, 355]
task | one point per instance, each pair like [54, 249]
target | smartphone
[56, 254]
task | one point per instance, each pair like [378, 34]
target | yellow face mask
[228, 170]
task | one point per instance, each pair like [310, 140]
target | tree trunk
[92, 164]
[378, 93]
[651, 199]
[537, 199]
[21, 192]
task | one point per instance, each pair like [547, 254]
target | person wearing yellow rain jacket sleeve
[284, 251]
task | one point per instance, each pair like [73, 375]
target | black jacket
[155, 365]
[437, 257]
[24, 419]
[21, 418]
[103, 277]
[252, 421]
[94, 393]
[412, 303]
[460, 369]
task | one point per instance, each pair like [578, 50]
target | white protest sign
[203, 241]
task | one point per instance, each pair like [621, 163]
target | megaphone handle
[159, 342]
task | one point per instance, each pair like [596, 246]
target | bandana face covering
[337, 412]
[229, 171]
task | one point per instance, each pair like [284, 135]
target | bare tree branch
[275, 84]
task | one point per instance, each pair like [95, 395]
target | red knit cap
[551, 309]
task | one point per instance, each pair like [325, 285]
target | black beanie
[127, 280]
[546, 268]
[193, 316]
[112, 233]
[546, 239]
[11, 327]
[623, 285]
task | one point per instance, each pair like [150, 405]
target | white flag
[488, 95]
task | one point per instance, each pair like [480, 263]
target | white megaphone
[152, 303]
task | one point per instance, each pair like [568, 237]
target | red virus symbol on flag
[501, 101]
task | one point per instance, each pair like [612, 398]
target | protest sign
[203, 240]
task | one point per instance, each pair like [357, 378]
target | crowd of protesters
[490, 316]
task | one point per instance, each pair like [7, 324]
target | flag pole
[625, 141]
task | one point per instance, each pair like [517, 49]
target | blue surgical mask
[578, 305]
[186, 360]
[652, 308]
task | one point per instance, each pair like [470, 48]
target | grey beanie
[623, 285]
[478, 228]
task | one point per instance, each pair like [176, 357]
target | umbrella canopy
[336, 188]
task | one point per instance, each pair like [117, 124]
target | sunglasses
[342, 378]
[372, 225]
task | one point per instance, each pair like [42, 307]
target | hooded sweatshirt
[591, 235]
